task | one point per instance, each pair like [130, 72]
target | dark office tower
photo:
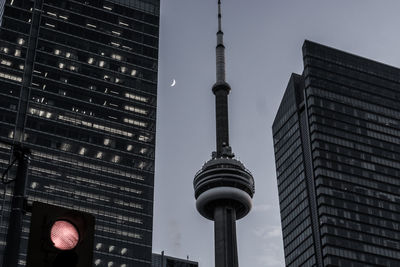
[337, 151]
[223, 187]
[161, 260]
[78, 85]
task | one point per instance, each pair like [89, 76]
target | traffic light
[60, 237]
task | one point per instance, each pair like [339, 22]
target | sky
[263, 40]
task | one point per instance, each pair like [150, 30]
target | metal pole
[11, 252]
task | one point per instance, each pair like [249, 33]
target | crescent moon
[173, 83]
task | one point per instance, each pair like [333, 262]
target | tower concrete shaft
[225, 236]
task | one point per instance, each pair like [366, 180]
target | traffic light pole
[11, 252]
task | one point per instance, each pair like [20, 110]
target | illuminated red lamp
[60, 237]
[64, 235]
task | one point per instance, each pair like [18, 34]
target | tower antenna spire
[220, 49]
[221, 91]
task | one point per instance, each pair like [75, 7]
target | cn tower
[223, 187]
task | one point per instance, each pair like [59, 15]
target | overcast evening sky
[263, 40]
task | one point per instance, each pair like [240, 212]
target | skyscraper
[79, 86]
[337, 150]
[223, 187]
[161, 260]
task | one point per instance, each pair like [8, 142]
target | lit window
[73, 68]
[126, 47]
[142, 165]
[21, 67]
[123, 251]
[110, 264]
[68, 54]
[116, 159]
[63, 17]
[91, 25]
[4, 49]
[82, 151]
[90, 60]
[5, 62]
[116, 56]
[136, 97]
[115, 44]
[123, 23]
[107, 7]
[50, 25]
[123, 265]
[20, 41]
[101, 63]
[135, 109]
[117, 80]
[17, 53]
[123, 69]
[57, 52]
[98, 246]
[107, 141]
[97, 262]
[34, 185]
[135, 122]
[61, 65]
[116, 33]
[99, 155]
[143, 151]
[133, 72]
[143, 138]
[111, 248]
[11, 134]
[94, 125]
[52, 14]
[65, 147]
[129, 147]
[10, 77]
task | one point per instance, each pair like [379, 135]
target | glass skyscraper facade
[337, 151]
[78, 85]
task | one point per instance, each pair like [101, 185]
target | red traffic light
[64, 235]
[60, 237]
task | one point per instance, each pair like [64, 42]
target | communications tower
[223, 187]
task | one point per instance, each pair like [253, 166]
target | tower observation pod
[223, 187]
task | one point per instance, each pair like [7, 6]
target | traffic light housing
[60, 237]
